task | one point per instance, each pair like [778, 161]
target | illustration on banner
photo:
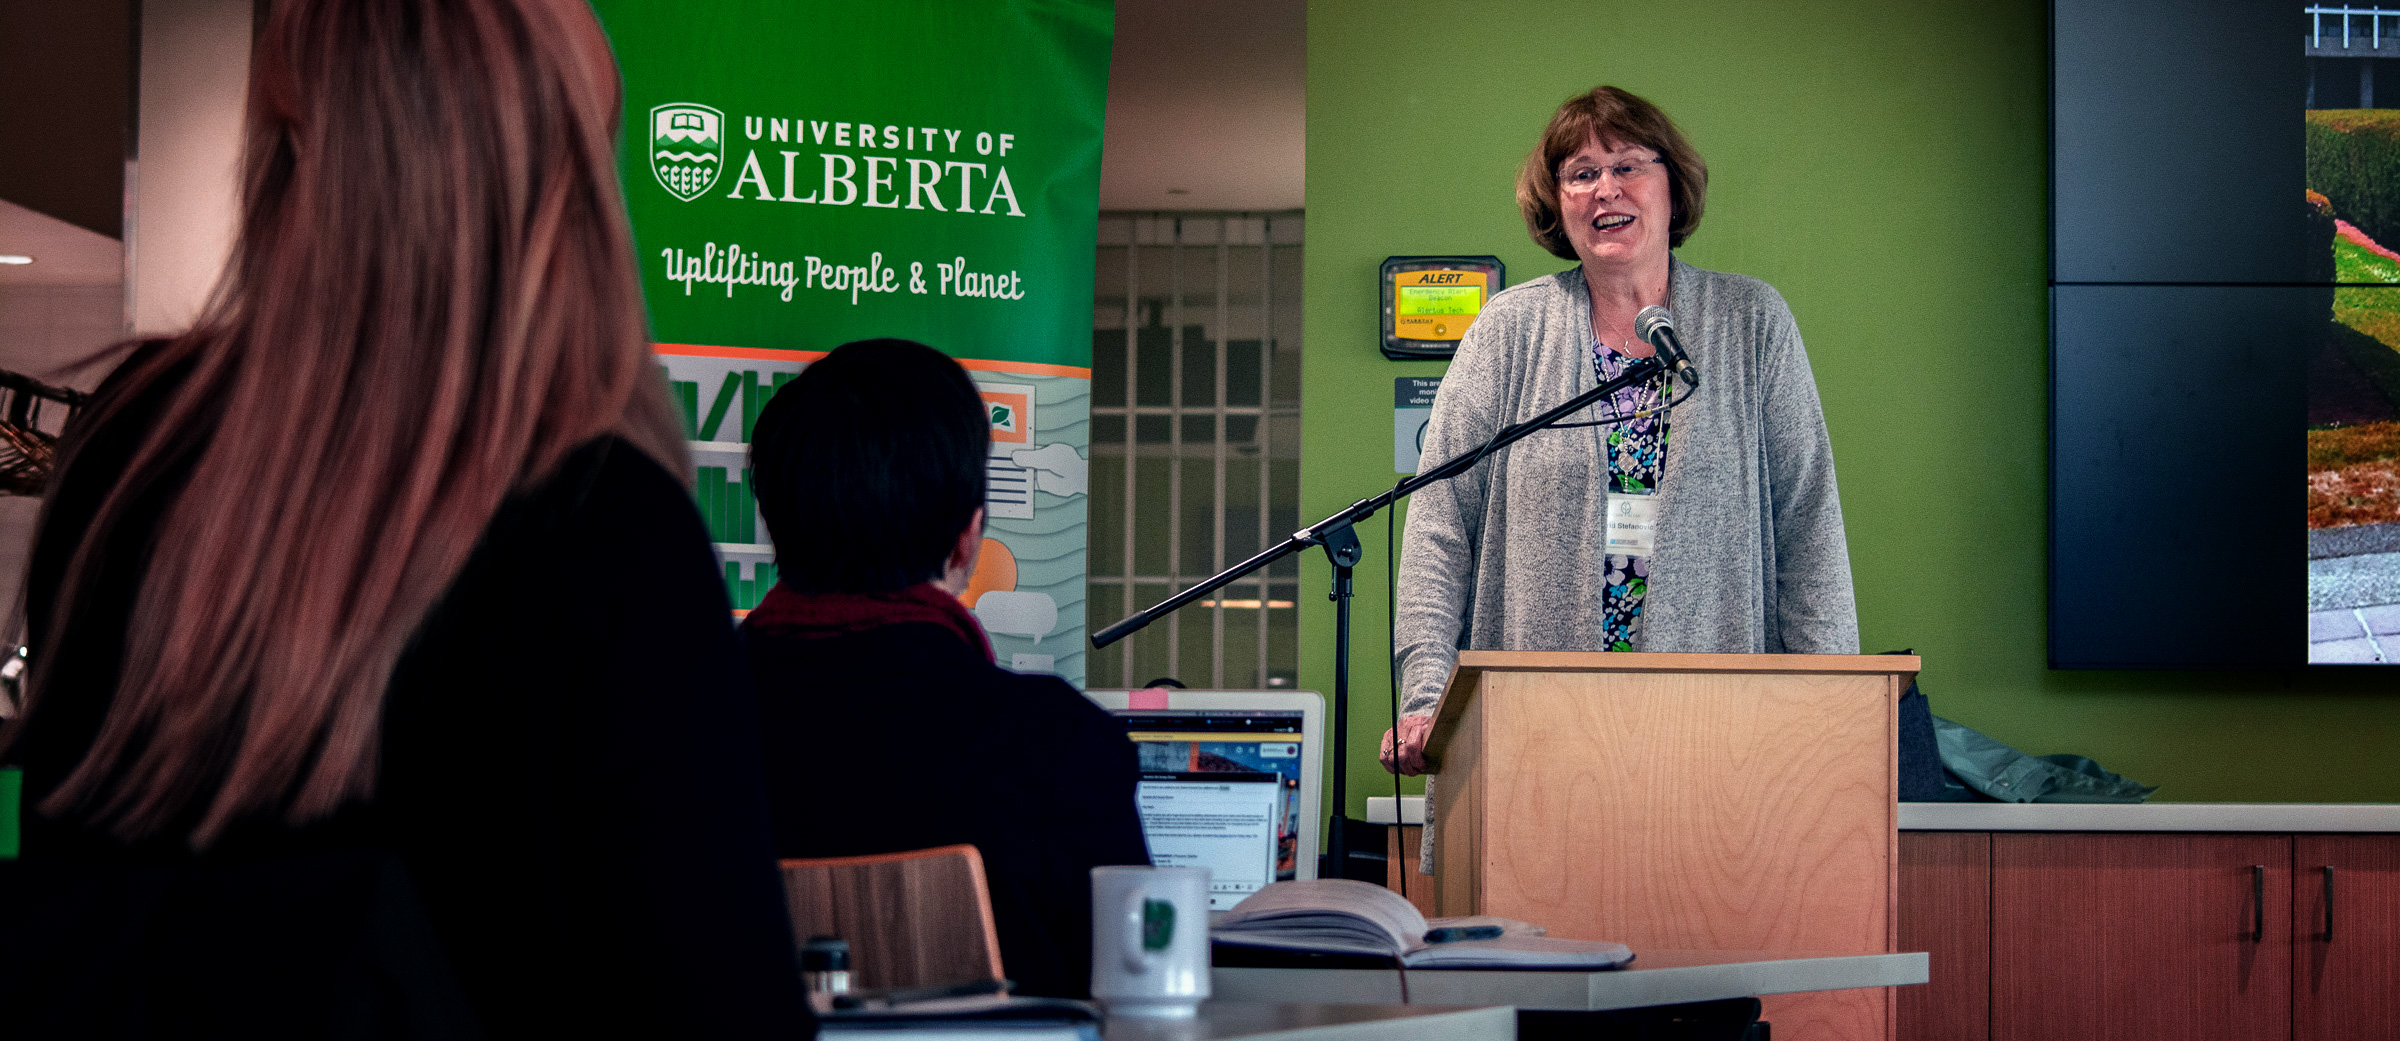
[1029, 578]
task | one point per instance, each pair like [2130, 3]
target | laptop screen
[1220, 789]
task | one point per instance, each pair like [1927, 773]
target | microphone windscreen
[1651, 319]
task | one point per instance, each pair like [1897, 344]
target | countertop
[2061, 816]
[2151, 816]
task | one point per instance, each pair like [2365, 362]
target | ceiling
[63, 254]
[1205, 112]
[65, 99]
[1206, 106]
[64, 89]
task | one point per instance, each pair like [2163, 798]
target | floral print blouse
[1637, 451]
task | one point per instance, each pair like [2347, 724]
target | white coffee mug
[1150, 940]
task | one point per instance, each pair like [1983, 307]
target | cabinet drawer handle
[2258, 903]
[2329, 903]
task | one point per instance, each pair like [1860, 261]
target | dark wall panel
[2177, 144]
[2177, 534]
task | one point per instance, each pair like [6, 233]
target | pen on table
[1455, 933]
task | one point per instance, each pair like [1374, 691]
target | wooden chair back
[919, 918]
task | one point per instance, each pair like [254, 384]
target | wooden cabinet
[1401, 844]
[1946, 911]
[2345, 937]
[2140, 936]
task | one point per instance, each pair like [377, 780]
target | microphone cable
[1614, 418]
[1394, 864]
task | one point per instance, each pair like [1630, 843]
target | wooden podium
[1737, 802]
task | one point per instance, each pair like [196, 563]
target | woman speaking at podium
[1744, 549]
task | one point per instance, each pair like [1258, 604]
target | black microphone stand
[1341, 547]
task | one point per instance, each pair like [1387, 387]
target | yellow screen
[1436, 304]
[1417, 300]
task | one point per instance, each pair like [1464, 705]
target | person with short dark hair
[887, 725]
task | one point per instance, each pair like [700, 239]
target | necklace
[1643, 400]
[1631, 341]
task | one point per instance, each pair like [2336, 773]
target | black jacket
[568, 836]
[904, 737]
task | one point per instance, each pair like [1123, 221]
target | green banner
[803, 174]
[12, 795]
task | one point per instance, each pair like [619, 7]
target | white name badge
[1632, 523]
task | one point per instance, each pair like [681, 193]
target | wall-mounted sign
[1428, 302]
[1412, 408]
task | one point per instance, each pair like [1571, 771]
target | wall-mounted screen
[1428, 302]
[2225, 329]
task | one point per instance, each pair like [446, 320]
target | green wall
[1882, 164]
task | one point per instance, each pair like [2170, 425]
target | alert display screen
[1442, 300]
[1428, 302]
[1436, 304]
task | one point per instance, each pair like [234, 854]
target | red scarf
[816, 616]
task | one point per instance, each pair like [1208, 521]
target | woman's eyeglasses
[1626, 172]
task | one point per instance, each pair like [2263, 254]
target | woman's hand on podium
[1413, 731]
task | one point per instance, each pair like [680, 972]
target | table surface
[1656, 977]
[1222, 1020]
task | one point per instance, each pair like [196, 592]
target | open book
[1342, 916]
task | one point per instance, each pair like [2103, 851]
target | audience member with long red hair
[381, 679]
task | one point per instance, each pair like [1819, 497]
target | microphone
[1655, 325]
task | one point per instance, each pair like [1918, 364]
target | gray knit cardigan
[1750, 556]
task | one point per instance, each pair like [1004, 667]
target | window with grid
[1196, 443]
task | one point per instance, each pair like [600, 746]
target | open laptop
[1229, 781]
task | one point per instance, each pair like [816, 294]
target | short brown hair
[1613, 115]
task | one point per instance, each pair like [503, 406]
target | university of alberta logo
[687, 148]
